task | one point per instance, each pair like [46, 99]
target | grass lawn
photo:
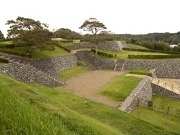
[139, 71]
[41, 54]
[160, 119]
[166, 105]
[23, 110]
[136, 46]
[36, 109]
[73, 72]
[124, 54]
[6, 42]
[120, 87]
[65, 44]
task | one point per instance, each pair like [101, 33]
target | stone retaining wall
[107, 45]
[163, 68]
[158, 90]
[57, 64]
[42, 71]
[28, 73]
[141, 95]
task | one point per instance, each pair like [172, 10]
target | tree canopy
[93, 25]
[33, 34]
[1, 35]
[66, 34]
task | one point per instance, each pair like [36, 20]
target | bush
[150, 105]
[11, 52]
[60, 46]
[154, 56]
[144, 50]
[105, 54]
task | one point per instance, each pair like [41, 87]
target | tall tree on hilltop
[1, 35]
[93, 25]
[33, 34]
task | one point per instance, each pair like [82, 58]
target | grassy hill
[36, 109]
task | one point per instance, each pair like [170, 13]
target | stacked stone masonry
[163, 68]
[28, 73]
[158, 90]
[44, 72]
[108, 45]
[93, 62]
[141, 95]
[57, 64]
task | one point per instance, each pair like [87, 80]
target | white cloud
[120, 16]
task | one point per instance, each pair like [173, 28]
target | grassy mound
[23, 110]
[36, 109]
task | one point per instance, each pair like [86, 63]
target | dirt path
[87, 84]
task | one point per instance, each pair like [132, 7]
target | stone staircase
[23, 70]
[89, 60]
[119, 65]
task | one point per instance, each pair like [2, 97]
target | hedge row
[108, 55]
[3, 46]
[158, 51]
[6, 46]
[60, 46]
[11, 52]
[154, 56]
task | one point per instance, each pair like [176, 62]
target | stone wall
[141, 95]
[107, 45]
[28, 73]
[93, 62]
[112, 45]
[163, 68]
[42, 71]
[57, 64]
[158, 90]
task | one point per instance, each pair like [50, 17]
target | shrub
[60, 46]
[144, 50]
[11, 52]
[150, 105]
[154, 56]
[105, 54]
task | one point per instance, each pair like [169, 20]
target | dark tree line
[169, 38]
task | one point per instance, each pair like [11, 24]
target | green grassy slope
[157, 118]
[23, 110]
[40, 53]
[120, 87]
[36, 109]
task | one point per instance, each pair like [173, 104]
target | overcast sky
[119, 16]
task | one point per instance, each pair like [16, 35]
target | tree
[93, 26]
[33, 34]
[66, 34]
[1, 35]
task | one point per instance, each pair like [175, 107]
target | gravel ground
[87, 84]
